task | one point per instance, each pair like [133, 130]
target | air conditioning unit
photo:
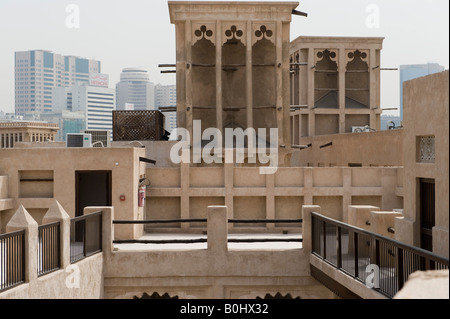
[78, 140]
[360, 129]
[100, 138]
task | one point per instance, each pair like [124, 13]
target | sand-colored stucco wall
[60, 164]
[80, 280]
[426, 113]
[250, 195]
[382, 148]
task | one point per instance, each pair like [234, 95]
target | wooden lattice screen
[138, 125]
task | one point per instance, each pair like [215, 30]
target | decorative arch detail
[356, 56]
[263, 31]
[234, 32]
[278, 295]
[155, 295]
[321, 55]
[203, 31]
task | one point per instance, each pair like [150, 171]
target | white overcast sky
[130, 33]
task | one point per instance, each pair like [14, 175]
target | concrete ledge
[6, 204]
[426, 285]
[352, 284]
[30, 203]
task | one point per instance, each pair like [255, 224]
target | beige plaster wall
[426, 106]
[217, 272]
[53, 285]
[61, 164]
[250, 195]
[6, 203]
[80, 280]
[382, 148]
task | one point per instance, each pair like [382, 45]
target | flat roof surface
[283, 244]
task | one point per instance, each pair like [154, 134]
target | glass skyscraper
[135, 90]
[38, 71]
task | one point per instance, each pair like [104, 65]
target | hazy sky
[129, 33]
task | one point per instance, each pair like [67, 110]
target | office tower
[412, 71]
[38, 71]
[135, 91]
[166, 96]
[67, 121]
[95, 102]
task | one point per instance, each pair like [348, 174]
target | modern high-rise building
[166, 96]
[135, 91]
[95, 102]
[68, 122]
[412, 71]
[38, 71]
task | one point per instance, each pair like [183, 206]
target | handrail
[78, 218]
[422, 252]
[203, 240]
[390, 261]
[204, 220]
[12, 234]
[83, 243]
[12, 259]
[49, 250]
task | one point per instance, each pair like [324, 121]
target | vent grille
[78, 140]
[100, 138]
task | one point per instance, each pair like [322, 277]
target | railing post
[83, 223]
[356, 248]
[400, 268]
[324, 239]
[377, 251]
[339, 249]
[307, 226]
[56, 213]
[23, 220]
[106, 227]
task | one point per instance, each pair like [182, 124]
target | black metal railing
[85, 236]
[203, 240]
[379, 262]
[49, 248]
[12, 259]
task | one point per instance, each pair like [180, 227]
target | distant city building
[10, 117]
[12, 132]
[135, 91]
[412, 71]
[68, 122]
[38, 71]
[166, 96]
[95, 102]
[170, 121]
